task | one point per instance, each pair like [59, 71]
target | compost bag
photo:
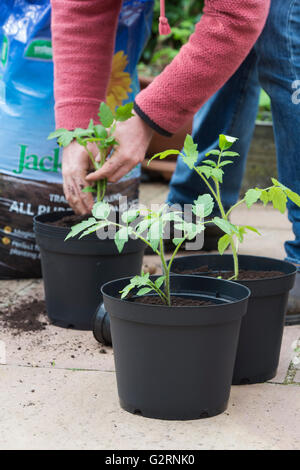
[30, 165]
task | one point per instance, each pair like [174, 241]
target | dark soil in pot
[74, 270]
[176, 362]
[270, 281]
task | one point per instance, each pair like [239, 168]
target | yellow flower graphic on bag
[119, 82]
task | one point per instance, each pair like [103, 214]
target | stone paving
[58, 386]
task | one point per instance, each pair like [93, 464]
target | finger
[71, 193]
[87, 199]
[120, 173]
[81, 207]
[110, 167]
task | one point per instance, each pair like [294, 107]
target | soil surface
[69, 220]
[175, 301]
[28, 317]
[244, 275]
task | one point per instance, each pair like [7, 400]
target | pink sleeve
[221, 41]
[83, 37]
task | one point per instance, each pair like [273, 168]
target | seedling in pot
[149, 226]
[100, 134]
[211, 171]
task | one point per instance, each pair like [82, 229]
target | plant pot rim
[293, 268]
[230, 295]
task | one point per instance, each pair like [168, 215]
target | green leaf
[105, 115]
[124, 112]
[278, 198]
[203, 206]
[223, 243]
[94, 228]
[130, 215]
[63, 136]
[230, 154]
[210, 162]
[165, 154]
[101, 210]
[159, 281]
[121, 237]
[294, 197]
[217, 173]
[252, 229]
[226, 162]
[100, 131]
[264, 197]
[144, 291]
[176, 241]
[80, 133]
[190, 155]
[226, 226]
[213, 152]
[80, 227]
[89, 189]
[206, 170]
[226, 141]
[252, 196]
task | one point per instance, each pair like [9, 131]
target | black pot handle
[101, 326]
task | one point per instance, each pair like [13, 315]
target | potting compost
[30, 168]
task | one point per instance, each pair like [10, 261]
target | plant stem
[165, 271]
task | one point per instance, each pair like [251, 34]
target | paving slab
[59, 409]
[290, 334]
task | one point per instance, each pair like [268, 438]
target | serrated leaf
[223, 243]
[213, 152]
[206, 170]
[89, 189]
[121, 237]
[124, 112]
[78, 132]
[210, 162]
[226, 141]
[105, 114]
[159, 282]
[101, 210]
[76, 229]
[144, 291]
[176, 241]
[278, 198]
[294, 197]
[57, 133]
[264, 197]
[203, 206]
[226, 226]
[252, 196]
[100, 131]
[190, 155]
[65, 139]
[226, 162]
[230, 154]
[94, 229]
[165, 154]
[130, 215]
[217, 173]
[252, 229]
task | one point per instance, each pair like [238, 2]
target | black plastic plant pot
[262, 328]
[176, 362]
[74, 270]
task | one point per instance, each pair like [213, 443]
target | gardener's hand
[134, 138]
[76, 164]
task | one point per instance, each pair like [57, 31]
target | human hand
[134, 138]
[76, 164]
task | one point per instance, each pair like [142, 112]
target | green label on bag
[39, 49]
[4, 51]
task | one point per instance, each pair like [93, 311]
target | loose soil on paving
[244, 275]
[175, 301]
[28, 317]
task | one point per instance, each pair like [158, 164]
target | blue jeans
[274, 65]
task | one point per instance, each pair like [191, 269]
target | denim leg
[232, 111]
[278, 51]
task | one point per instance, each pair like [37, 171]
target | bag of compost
[30, 165]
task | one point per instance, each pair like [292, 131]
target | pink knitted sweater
[83, 44]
